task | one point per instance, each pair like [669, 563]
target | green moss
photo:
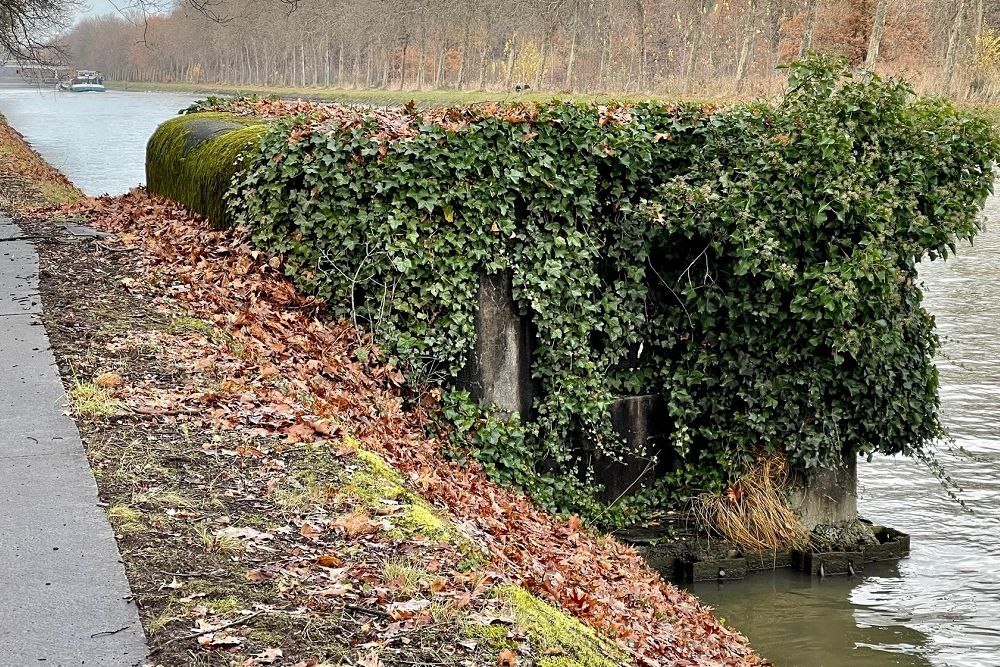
[420, 520]
[197, 172]
[126, 519]
[556, 633]
[376, 481]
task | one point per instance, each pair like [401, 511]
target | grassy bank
[25, 178]
[376, 97]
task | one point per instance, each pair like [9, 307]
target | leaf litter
[238, 391]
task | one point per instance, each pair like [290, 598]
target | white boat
[85, 81]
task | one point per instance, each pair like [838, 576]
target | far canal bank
[936, 608]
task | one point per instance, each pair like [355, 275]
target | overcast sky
[98, 8]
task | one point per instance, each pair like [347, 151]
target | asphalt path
[64, 598]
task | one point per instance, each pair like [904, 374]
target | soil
[187, 504]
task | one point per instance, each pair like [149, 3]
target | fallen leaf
[507, 658]
[328, 560]
[268, 656]
[108, 380]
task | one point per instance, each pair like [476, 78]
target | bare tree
[954, 35]
[875, 36]
[809, 27]
[584, 45]
[27, 27]
[746, 48]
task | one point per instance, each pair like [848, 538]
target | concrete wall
[829, 497]
[499, 369]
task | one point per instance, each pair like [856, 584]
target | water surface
[97, 139]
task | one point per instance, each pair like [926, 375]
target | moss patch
[193, 159]
[554, 638]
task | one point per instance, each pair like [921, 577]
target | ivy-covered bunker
[628, 305]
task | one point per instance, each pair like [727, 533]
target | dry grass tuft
[752, 513]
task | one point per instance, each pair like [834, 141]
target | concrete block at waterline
[642, 422]
[499, 370]
[828, 497]
[833, 563]
[714, 570]
[759, 561]
[664, 560]
[893, 545]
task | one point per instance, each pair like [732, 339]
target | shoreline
[27, 180]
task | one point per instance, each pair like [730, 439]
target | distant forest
[678, 47]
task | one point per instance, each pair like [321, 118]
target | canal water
[939, 607]
[97, 139]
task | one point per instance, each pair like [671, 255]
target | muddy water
[939, 607]
[97, 139]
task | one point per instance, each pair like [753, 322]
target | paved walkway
[63, 591]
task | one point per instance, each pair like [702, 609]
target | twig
[195, 635]
[129, 248]
[109, 632]
[191, 574]
[365, 610]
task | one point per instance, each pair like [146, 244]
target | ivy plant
[755, 265]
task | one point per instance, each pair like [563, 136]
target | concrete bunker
[194, 159]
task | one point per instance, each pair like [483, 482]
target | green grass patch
[88, 401]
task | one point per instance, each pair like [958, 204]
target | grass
[309, 494]
[126, 519]
[216, 544]
[180, 325]
[89, 401]
[404, 576]
[374, 97]
[162, 498]
[752, 513]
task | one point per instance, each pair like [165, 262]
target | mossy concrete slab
[715, 570]
[194, 158]
[893, 545]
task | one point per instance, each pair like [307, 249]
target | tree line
[688, 47]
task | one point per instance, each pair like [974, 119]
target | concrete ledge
[193, 159]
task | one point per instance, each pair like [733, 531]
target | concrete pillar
[642, 422]
[499, 369]
[828, 497]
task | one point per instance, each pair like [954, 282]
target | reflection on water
[97, 139]
[798, 620]
[942, 605]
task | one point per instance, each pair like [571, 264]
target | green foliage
[193, 159]
[756, 266]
